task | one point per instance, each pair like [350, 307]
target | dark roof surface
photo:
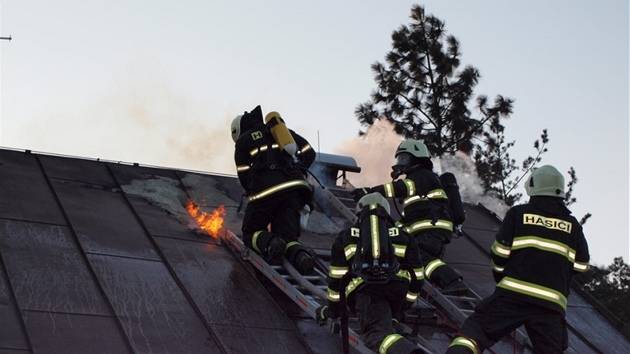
[101, 257]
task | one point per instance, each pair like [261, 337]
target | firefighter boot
[398, 344]
[455, 288]
[275, 251]
[303, 262]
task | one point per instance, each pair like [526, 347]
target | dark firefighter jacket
[425, 203]
[263, 169]
[342, 254]
[537, 250]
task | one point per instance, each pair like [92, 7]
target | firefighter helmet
[545, 181]
[236, 127]
[410, 155]
[414, 147]
[372, 198]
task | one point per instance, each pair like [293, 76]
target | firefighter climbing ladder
[458, 307]
[309, 291]
[303, 290]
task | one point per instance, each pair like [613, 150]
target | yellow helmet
[545, 181]
[236, 127]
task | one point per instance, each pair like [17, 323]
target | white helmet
[414, 147]
[408, 154]
[545, 181]
[372, 198]
[236, 127]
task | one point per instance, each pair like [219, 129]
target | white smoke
[374, 153]
[470, 186]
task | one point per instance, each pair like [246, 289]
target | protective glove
[321, 314]
[323, 317]
[324, 313]
[358, 193]
[458, 230]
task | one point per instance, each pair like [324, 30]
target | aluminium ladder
[458, 307]
[306, 291]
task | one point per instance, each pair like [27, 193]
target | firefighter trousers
[377, 305]
[277, 215]
[432, 246]
[498, 315]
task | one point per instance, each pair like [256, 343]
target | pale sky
[158, 82]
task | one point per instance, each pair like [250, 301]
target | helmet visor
[402, 160]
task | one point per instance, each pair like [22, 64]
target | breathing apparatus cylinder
[281, 133]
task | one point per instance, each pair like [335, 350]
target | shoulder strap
[272, 163]
[375, 259]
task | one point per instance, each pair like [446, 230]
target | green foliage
[495, 168]
[610, 286]
[569, 199]
[422, 92]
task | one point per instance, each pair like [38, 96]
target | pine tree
[422, 92]
[495, 167]
[425, 96]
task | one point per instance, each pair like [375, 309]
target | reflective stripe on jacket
[342, 254]
[538, 248]
[425, 203]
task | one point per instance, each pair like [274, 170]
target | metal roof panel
[65, 333]
[124, 272]
[102, 220]
[25, 190]
[47, 271]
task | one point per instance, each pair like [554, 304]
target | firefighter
[276, 189]
[379, 306]
[426, 213]
[537, 250]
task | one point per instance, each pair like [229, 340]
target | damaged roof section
[100, 257]
[103, 257]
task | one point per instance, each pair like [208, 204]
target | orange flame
[212, 222]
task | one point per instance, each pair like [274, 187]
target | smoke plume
[374, 153]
